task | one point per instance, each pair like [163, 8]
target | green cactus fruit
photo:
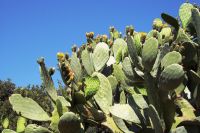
[69, 123]
[100, 56]
[79, 97]
[28, 108]
[33, 128]
[185, 13]
[157, 24]
[149, 53]
[171, 58]
[171, 77]
[92, 86]
[21, 123]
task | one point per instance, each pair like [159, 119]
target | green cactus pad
[133, 52]
[100, 56]
[64, 101]
[21, 123]
[137, 42]
[76, 67]
[189, 52]
[196, 22]
[171, 77]
[59, 107]
[118, 43]
[5, 122]
[170, 20]
[28, 108]
[103, 97]
[140, 101]
[121, 124]
[92, 86]
[125, 112]
[155, 34]
[153, 114]
[166, 33]
[182, 36]
[149, 53]
[171, 58]
[69, 123]
[33, 128]
[8, 131]
[127, 67]
[119, 55]
[86, 57]
[113, 82]
[185, 13]
[47, 80]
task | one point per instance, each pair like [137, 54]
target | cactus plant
[135, 83]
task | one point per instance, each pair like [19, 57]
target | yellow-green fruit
[69, 123]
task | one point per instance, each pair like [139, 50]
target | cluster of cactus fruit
[140, 82]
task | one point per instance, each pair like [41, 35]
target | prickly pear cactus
[137, 82]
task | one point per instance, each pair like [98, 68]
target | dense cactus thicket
[138, 82]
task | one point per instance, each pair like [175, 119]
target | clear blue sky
[30, 29]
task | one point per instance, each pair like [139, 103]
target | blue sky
[30, 29]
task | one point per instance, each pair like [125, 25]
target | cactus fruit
[69, 123]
